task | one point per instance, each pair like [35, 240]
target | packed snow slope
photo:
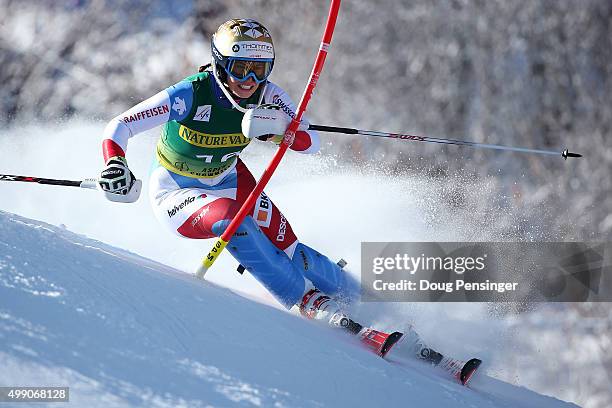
[122, 330]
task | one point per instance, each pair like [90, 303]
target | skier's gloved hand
[116, 178]
[267, 121]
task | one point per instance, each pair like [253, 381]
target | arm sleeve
[306, 141]
[173, 103]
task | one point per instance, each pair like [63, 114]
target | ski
[469, 369]
[381, 343]
[461, 370]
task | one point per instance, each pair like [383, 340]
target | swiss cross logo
[203, 113]
[253, 29]
[179, 105]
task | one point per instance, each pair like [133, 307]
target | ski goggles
[243, 69]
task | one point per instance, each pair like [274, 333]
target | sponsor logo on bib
[207, 140]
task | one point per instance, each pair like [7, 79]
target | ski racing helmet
[244, 49]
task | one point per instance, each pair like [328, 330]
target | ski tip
[566, 153]
[391, 340]
[468, 370]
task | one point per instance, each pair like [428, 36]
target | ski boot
[412, 346]
[430, 356]
[316, 305]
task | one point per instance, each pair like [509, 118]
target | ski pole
[287, 141]
[90, 184]
[416, 138]
[87, 183]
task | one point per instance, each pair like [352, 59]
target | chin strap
[228, 95]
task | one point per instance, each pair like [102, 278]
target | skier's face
[242, 90]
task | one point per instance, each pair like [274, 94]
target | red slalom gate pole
[288, 138]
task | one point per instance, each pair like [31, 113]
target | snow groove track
[122, 330]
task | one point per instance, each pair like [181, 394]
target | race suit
[198, 182]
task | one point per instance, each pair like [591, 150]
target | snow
[329, 193]
[122, 330]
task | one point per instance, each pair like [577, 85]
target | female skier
[199, 182]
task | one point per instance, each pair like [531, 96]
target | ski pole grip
[211, 258]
